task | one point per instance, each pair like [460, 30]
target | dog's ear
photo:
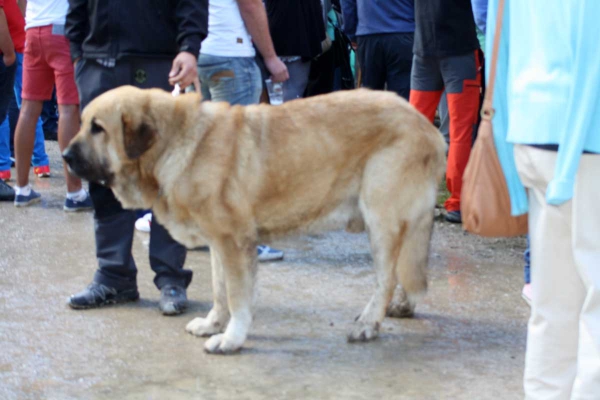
[137, 139]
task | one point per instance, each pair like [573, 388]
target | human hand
[9, 58]
[277, 68]
[184, 71]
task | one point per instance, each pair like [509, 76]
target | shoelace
[102, 291]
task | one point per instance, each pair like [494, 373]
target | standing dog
[234, 176]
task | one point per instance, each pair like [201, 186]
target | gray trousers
[444, 118]
[114, 226]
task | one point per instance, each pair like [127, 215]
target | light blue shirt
[547, 87]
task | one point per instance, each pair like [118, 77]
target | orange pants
[461, 77]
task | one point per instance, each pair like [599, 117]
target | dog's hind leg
[239, 266]
[385, 243]
[217, 318]
[397, 200]
[411, 267]
[400, 306]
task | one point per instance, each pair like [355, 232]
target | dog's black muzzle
[82, 168]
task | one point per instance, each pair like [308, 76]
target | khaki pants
[563, 341]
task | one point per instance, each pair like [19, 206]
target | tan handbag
[485, 202]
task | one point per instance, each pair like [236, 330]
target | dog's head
[117, 129]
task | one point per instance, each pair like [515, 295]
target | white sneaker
[526, 294]
[266, 253]
[143, 224]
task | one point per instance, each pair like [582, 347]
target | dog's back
[317, 155]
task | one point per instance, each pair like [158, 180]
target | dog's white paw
[204, 327]
[403, 309]
[220, 344]
[363, 332]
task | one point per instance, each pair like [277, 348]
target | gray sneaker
[454, 216]
[7, 193]
[98, 295]
[173, 300]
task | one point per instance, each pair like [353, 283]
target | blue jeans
[236, 80]
[7, 79]
[39, 150]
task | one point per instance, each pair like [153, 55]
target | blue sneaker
[266, 253]
[75, 206]
[24, 201]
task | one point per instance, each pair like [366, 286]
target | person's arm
[583, 99]
[192, 28]
[192, 24]
[350, 17]
[77, 27]
[6, 44]
[480, 8]
[255, 18]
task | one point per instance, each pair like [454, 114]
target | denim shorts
[236, 80]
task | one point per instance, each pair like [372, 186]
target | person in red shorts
[15, 19]
[47, 62]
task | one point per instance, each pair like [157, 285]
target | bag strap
[487, 111]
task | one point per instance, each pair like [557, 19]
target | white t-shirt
[45, 12]
[227, 33]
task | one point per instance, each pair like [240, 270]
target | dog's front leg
[239, 265]
[217, 318]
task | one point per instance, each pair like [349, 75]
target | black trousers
[114, 226]
[386, 61]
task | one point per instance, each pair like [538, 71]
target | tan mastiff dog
[234, 176]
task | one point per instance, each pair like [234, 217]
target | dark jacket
[139, 28]
[444, 28]
[296, 26]
[369, 17]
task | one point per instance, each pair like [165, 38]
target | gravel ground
[466, 341]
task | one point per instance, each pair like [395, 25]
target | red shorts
[46, 61]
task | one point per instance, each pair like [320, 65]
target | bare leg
[25, 139]
[217, 318]
[68, 125]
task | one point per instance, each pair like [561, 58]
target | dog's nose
[67, 155]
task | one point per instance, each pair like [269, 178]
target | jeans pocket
[211, 65]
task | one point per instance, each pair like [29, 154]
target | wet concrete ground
[467, 340]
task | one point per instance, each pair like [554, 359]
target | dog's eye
[95, 129]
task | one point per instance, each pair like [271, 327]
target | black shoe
[98, 295]
[7, 193]
[454, 217]
[173, 300]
